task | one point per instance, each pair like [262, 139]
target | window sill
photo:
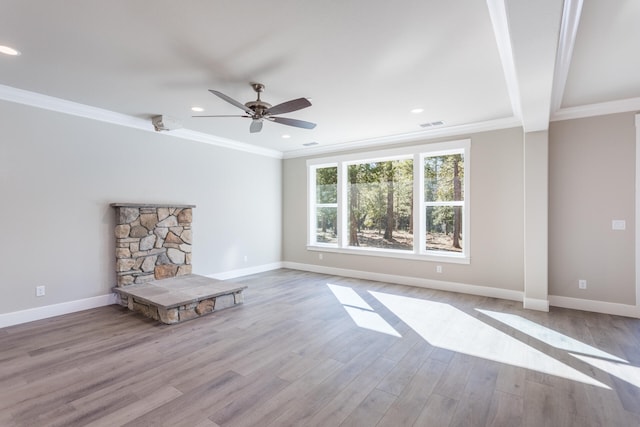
[441, 257]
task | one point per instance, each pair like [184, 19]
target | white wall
[59, 173]
[496, 221]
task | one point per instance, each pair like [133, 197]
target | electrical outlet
[438, 269]
[246, 258]
[320, 256]
[582, 284]
[39, 291]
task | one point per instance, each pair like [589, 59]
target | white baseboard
[411, 281]
[246, 271]
[595, 306]
[38, 313]
[535, 304]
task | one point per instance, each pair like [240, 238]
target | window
[326, 206]
[410, 202]
[444, 201]
[379, 204]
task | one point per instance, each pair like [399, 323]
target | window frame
[312, 205]
[418, 153]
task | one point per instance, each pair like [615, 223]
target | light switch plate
[618, 224]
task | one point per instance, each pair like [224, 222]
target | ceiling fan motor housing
[259, 107]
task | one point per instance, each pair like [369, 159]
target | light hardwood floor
[293, 354]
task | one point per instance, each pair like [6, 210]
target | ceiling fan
[258, 110]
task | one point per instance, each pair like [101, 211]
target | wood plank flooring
[296, 355]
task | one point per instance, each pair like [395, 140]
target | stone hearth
[180, 298]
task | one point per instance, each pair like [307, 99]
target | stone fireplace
[153, 242]
[153, 265]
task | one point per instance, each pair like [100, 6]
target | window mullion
[311, 206]
[419, 232]
[342, 208]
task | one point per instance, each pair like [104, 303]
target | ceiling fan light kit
[258, 110]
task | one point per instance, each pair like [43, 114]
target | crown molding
[64, 106]
[443, 132]
[37, 100]
[46, 102]
[600, 109]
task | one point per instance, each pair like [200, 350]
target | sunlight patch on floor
[447, 327]
[600, 359]
[549, 336]
[348, 296]
[362, 313]
[624, 371]
[371, 320]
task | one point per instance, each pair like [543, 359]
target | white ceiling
[363, 63]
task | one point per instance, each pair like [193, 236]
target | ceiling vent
[432, 124]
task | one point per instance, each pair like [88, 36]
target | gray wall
[59, 173]
[592, 182]
[496, 220]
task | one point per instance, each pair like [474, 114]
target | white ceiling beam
[568, 30]
[527, 35]
[498, 14]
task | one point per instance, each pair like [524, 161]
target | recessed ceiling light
[197, 109]
[417, 110]
[286, 136]
[9, 51]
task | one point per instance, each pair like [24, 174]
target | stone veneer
[153, 242]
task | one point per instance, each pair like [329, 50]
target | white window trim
[464, 149]
[419, 242]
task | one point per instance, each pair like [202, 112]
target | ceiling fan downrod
[258, 106]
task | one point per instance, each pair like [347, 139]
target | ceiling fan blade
[289, 106]
[293, 122]
[232, 101]
[222, 116]
[256, 126]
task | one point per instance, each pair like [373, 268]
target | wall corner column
[536, 221]
[637, 216]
